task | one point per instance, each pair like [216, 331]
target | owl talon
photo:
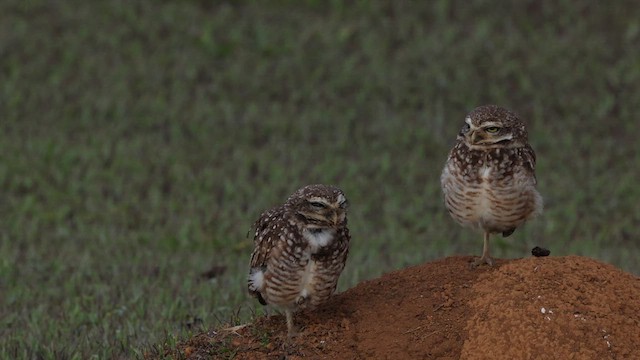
[481, 261]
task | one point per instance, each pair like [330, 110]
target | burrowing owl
[300, 250]
[489, 181]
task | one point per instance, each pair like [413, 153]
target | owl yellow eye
[492, 129]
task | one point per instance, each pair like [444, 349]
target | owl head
[491, 126]
[319, 206]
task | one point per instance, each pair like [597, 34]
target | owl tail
[261, 299]
[508, 232]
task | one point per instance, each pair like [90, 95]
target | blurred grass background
[140, 140]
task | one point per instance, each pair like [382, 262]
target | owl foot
[481, 261]
[485, 258]
[289, 344]
[290, 348]
[293, 332]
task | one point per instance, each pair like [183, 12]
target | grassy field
[139, 140]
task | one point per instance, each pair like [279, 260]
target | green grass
[140, 140]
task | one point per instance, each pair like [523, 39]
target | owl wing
[263, 240]
[266, 239]
[529, 161]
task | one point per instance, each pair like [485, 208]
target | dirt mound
[533, 308]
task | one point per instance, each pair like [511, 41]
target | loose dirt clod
[539, 252]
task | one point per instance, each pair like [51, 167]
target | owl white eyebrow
[468, 121]
[491, 124]
[317, 199]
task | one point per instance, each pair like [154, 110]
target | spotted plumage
[489, 178]
[300, 249]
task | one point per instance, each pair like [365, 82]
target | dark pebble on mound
[538, 251]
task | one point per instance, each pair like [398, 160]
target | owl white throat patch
[318, 238]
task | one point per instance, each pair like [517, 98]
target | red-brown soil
[534, 308]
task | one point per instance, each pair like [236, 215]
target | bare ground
[533, 308]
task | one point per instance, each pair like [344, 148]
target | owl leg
[291, 328]
[486, 258]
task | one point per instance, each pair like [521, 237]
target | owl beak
[335, 218]
[475, 137]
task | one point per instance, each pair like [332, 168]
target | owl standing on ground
[300, 250]
[489, 180]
